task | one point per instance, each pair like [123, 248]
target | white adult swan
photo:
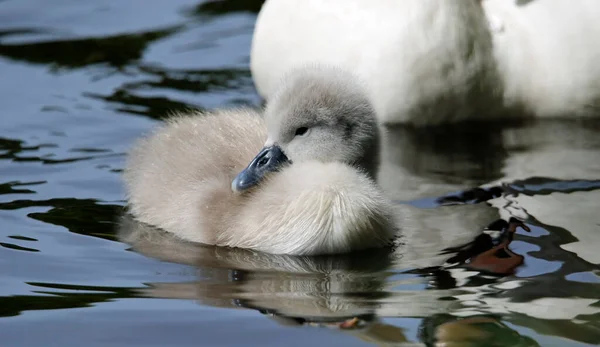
[429, 61]
[310, 190]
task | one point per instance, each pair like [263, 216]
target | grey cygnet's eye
[301, 131]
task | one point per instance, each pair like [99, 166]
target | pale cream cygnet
[308, 191]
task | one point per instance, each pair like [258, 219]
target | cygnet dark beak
[269, 159]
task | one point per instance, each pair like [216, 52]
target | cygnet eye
[301, 131]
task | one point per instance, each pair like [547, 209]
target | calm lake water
[81, 80]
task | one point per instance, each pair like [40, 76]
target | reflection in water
[344, 291]
[574, 230]
[467, 273]
[490, 253]
[466, 154]
[477, 331]
[554, 165]
[83, 81]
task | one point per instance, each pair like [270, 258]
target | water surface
[81, 80]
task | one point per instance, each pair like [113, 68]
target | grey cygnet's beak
[269, 159]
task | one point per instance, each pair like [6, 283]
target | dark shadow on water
[15, 150]
[154, 107]
[61, 296]
[17, 247]
[126, 100]
[476, 152]
[198, 81]
[545, 186]
[116, 51]
[222, 7]
[531, 186]
[455, 153]
[81, 216]
[10, 187]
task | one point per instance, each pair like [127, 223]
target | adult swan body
[428, 62]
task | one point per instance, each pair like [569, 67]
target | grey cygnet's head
[318, 113]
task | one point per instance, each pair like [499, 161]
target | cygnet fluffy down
[309, 190]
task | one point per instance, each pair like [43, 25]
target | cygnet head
[319, 113]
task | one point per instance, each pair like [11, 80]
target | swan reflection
[350, 292]
[465, 264]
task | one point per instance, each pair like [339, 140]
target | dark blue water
[81, 80]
